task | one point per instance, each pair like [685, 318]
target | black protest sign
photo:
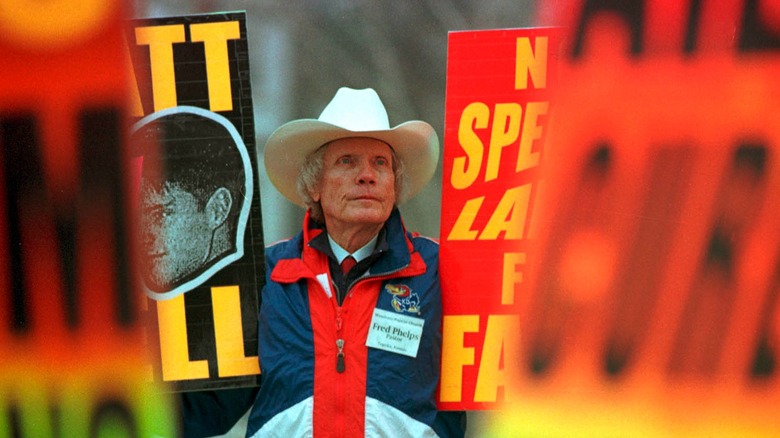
[200, 230]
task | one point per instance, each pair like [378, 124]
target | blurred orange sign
[72, 354]
[653, 304]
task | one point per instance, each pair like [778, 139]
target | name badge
[395, 333]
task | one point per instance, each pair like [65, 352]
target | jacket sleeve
[450, 424]
[210, 413]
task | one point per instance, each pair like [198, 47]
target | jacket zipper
[340, 368]
[340, 365]
[340, 356]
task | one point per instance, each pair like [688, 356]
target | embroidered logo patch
[404, 300]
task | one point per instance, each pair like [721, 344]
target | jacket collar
[401, 258]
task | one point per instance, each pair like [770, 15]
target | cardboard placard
[497, 110]
[198, 198]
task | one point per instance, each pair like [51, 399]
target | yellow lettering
[512, 276]
[215, 37]
[532, 131]
[531, 61]
[176, 364]
[462, 228]
[510, 215]
[506, 129]
[466, 169]
[501, 340]
[136, 108]
[226, 304]
[454, 356]
[160, 40]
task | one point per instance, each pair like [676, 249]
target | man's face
[175, 235]
[358, 184]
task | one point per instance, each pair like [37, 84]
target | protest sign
[654, 291]
[202, 263]
[72, 354]
[497, 110]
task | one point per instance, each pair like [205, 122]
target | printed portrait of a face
[195, 192]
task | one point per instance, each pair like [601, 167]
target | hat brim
[415, 143]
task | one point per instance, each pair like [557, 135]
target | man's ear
[218, 207]
[315, 195]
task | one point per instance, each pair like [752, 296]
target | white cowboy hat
[351, 113]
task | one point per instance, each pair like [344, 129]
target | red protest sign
[497, 109]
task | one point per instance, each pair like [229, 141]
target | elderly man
[350, 318]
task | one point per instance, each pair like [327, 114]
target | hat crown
[356, 110]
[351, 113]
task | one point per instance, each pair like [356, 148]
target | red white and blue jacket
[379, 393]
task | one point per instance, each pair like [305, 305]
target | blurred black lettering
[632, 12]
[552, 306]
[637, 288]
[708, 309]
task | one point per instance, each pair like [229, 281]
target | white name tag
[395, 333]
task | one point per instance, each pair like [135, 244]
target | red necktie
[347, 264]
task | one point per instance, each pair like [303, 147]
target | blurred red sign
[653, 304]
[72, 348]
